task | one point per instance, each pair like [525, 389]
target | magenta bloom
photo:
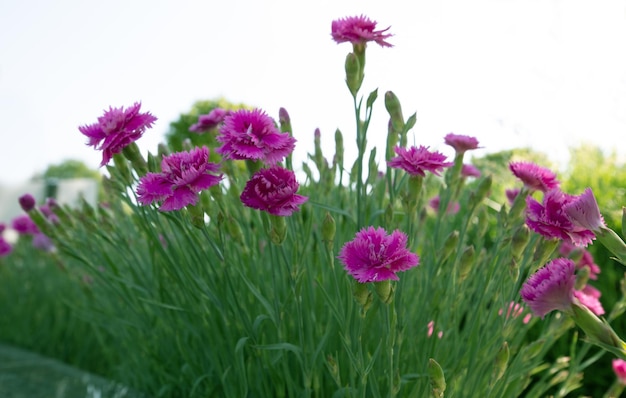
[534, 177]
[24, 225]
[453, 207]
[27, 202]
[210, 121]
[550, 220]
[374, 256]
[589, 296]
[273, 190]
[5, 247]
[469, 170]
[183, 175]
[417, 161]
[253, 135]
[583, 211]
[358, 30]
[619, 367]
[117, 129]
[461, 143]
[550, 288]
[511, 194]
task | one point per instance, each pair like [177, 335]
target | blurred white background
[549, 74]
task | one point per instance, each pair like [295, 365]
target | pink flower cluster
[358, 31]
[183, 175]
[418, 160]
[560, 215]
[374, 256]
[209, 121]
[116, 129]
[552, 287]
[273, 190]
[253, 135]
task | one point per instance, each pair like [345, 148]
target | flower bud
[437, 379]
[278, 230]
[597, 330]
[361, 293]
[500, 363]
[449, 245]
[613, 243]
[339, 148]
[392, 104]
[121, 165]
[544, 250]
[132, 153]
[481, 192]
[354, 76]
[153, 163]
[384, 290]
[27, 202]
[466, 262]
[328, 228]
[284, 120]
[519, 241]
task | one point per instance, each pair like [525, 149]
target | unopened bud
[519, 241]
[385, 291]
[284, 120]
[544, 250]
[328, 228]
[27, 202]
[121, 166]
[466, 262]
[449, 245]
[278, 231]
[481, 192]
[133, 154]
[501, 362]
[363, 296]
[395, 111]
[354, 76]
[437, 379]
[234, 230]
[153, 163]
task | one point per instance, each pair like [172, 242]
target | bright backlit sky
[548, 74]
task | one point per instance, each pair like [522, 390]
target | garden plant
[232, 271]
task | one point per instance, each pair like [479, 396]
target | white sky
[542, 73]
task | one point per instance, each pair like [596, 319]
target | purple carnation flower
[589, 296]
[5, 247]
[469, 170]
[358, 30]
[534, 177]
[273, 190]
[27, 202]
[550, 219]
[24, 225]
[253, 135]
[183, 175]
[461, 143]
[117, 129]
[374, 256]
[416, 161]
[550, 288]
[584, 211]
[210, 121]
